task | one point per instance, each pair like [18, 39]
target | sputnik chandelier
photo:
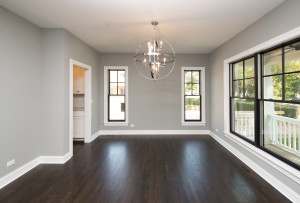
[155, 58]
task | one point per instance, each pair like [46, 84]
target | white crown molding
[274, 181]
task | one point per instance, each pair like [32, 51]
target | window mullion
[283, 73]
[256, 105]
[244, 79]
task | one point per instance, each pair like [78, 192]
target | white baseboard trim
[19, 172]
[94, 136]
[275, 182]
[55, 159]
[154, 132]
[293, 174]
[32, 164]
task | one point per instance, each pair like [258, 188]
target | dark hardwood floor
[144, 169]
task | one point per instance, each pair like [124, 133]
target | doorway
[79, 102]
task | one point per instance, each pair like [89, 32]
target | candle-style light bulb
[160, 44]
[165, 60]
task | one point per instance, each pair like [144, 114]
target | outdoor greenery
[244, 105]
[238, 76]
[291, 80]
[286, 110]
[273, 66]
[192, 89]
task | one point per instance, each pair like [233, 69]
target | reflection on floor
[283, 153]
[154, 168]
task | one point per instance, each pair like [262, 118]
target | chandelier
[155, 58]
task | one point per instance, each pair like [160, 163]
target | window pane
[273, 87]
[238, 88]
[113, 88]
[187, 76]
[195, 77]
[113, 77]
[121, 88]
[242, 116]
[292, 86]
[238, 71]
[188, 89]
[282, 129]
[117, 108]
[195, 89]
[192, 107]
[250, 88]
[249, 68]
[292, 57]
[121, 76]
[273, 62]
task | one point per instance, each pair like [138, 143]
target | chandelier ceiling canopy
[155, 58]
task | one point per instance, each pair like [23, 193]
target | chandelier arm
[156, 55]
[174, 61]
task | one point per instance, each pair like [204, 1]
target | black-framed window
[280, 101]
[192, 95]
[275, 108]
[243, 98]
[116, 95]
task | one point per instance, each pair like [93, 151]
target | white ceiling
[191, 26]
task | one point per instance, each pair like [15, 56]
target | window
[243, 95]
[281, 101]
[268, 116]
[193, 95]
[116, 95]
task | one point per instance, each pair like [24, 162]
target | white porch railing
[244, 124]
[285, 132]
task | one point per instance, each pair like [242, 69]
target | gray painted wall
[154, 105]
[20, 90]
[58, 47]
[53, 93]
[280, 20]
[34, 79]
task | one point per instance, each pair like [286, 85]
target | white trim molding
[5, 180]
[285, 169]
[154, 132]
[106, 122]
[94, 136]
[55, 159]
[202, 93]
[87, 103]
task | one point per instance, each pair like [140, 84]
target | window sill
[193, 123]
[116, 123]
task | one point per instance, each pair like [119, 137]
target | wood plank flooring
[144, 169]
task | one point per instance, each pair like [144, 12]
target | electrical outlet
[217, 130]
[132, 125]
[11, 162]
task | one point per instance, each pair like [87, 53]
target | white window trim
[202, 83]
[111, 123]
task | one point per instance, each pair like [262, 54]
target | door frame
[87, 102]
